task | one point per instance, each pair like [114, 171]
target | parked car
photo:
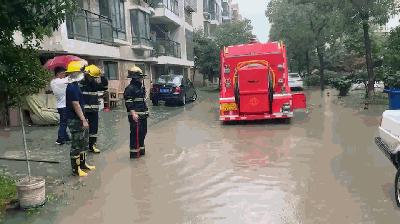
[389, 143]
[295, 81]
[172, 88]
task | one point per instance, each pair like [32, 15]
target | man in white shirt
[58, 86]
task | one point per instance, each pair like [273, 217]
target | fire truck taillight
[227, 70]
[228, 83]
[286, 108]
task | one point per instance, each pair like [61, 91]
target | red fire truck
[254, 83]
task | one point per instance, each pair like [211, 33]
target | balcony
[142, 43]
[191, 5]
[165, 12]
[166, 48]
[90, 27]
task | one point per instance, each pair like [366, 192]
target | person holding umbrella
[58, 86]
[77, 123]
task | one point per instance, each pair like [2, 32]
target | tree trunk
[308, 63]
[368, 57]
[3, 109]
[321, 67]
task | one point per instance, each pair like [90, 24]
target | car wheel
[397, 187]
[194, 98]
[155, 102]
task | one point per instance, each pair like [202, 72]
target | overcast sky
[255, 11]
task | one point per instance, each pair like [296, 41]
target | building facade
[156, 35]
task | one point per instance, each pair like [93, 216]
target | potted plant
[392, 88]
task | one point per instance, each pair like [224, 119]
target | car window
[170, 79]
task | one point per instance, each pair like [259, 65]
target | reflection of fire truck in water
[254, 83]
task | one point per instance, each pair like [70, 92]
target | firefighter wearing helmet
[91, 85]
[77, 123]
[135, 102]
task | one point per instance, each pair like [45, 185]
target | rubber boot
[76, 169]
[134, 153]
[142, 151]
[83, 164]
[94, 149]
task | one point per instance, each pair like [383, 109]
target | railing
[90, 27]
[142, 41]
[166, 48]
[172, 5]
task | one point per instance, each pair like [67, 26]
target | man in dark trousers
[135, 102]
[90, 87]
[77, 123]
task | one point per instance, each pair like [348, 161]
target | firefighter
[135, 102]
[77, 123]
[90, 86]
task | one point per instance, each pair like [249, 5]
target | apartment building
[208, 16]
[156, 35]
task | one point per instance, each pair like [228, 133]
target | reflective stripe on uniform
[140, 113]
[138, 99]
[90, 93]
[91, 106]
[135, 150]
[129, 101]
[93, 136]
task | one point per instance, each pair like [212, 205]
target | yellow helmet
[135, 72]
[75, 66]
[93, 71]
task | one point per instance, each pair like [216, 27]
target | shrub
[392, 80]
[343, 84]
[312, 80]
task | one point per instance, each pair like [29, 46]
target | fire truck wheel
[287, 120]
[397, 188]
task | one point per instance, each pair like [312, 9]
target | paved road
[322, 168]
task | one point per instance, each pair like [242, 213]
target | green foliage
[234, 33]
[312, 80]
[207, 50]
[7, 192]
[21, 73]
[392, 53]
[206, 53]
[392, 80]
[342, 83]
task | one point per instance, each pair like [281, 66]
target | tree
[207, 49]
[206, 55]
[234, 33]
[364, 13]
[21, 72]
[392, 51]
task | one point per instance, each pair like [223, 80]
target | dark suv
[172, 88]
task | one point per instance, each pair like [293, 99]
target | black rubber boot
[83, 164]
[134, 153]
[76, 169]
[142, 151]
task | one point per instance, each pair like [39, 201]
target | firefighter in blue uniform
[135, 102]
[90, 86]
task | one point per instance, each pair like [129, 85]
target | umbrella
[61, 61]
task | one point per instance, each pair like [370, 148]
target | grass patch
[8, 192]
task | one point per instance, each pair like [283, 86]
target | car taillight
[177, 89]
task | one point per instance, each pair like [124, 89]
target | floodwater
[321, 168]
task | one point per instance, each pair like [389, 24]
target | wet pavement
[322, 168]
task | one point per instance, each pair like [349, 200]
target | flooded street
[322, 168]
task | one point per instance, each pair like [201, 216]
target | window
[111, 70]
[189, 45]
[140, 27]
[115, 9]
